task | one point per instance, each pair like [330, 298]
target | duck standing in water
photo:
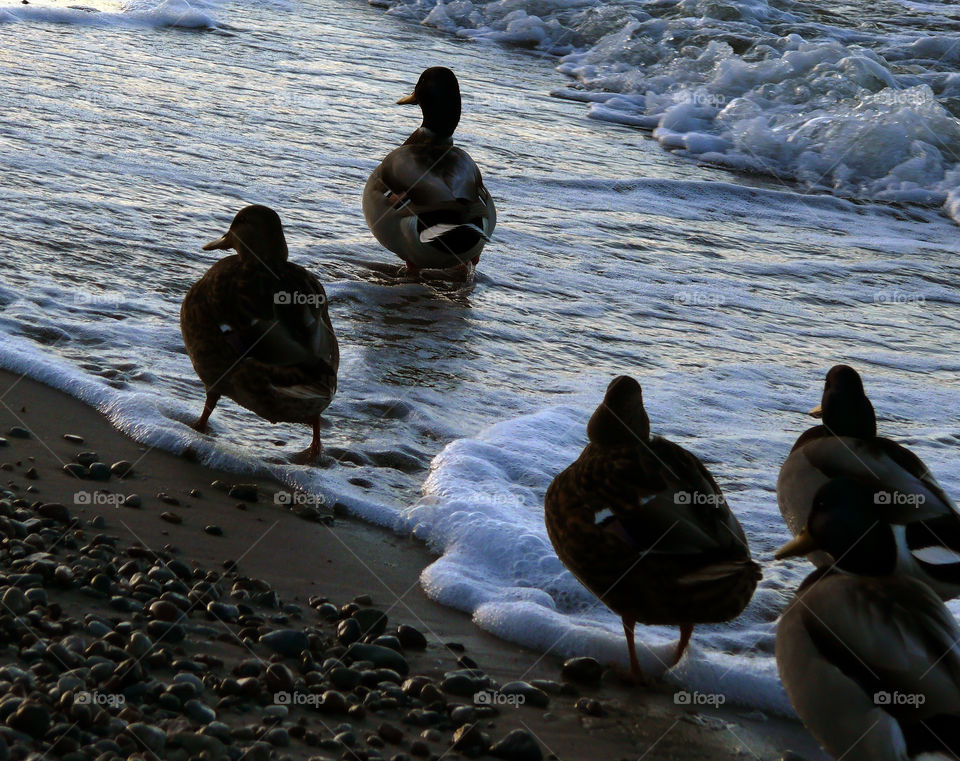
[924, 520]
[257, 329]
[869, 658]
[426, 201]
[643, 525]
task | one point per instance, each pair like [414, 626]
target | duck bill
[799, 545]
[816, 412]
[408, 100]
[224, 241]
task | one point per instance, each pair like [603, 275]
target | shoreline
[266, 540]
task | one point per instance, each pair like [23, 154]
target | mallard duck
[257, 329]
[643, 525]
[869, 659]
[426, 201]
[924, 519]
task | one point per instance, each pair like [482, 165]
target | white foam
[187, 14]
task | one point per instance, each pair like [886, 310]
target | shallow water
[132, 135]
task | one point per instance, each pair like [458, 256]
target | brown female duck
[257, 329]
[643, 525]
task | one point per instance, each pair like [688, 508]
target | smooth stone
[121, 469]
[584, 670]
[532, 695]
[278, 737]
[287, 642]
[518, 745]
[76, 470]
[199, 712]
[343, 678]
[73, 438]
[213, 529]
[223, 611]
[383, 657]
[15, 601]
[99, 471]
[243, 492]
[470, 741]
[152, 737]
[410, 638]
[349, 631]
[170, 517]
[132, 500]
[372, 622]
[139, 645]
[278, 678]
[30, 718]
[18, 432]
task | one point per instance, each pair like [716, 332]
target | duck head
[256, 234]
[844, 407]
[845, 522]
[621, 419]
[438, 95]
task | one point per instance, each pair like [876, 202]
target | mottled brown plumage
[643, 525]
[257, 328]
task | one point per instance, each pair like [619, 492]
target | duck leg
[211, 402]
[636, 673]
[686, 631]
[311, 455]
[412, 269]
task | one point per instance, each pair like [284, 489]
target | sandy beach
[191, 517]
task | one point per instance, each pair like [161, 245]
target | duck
[642, 524]
[426, 201]
[869, 658]
[257, 329]
[925, 521]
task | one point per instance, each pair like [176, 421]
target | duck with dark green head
[908, 497]
[869, 658]
[643, 525]
[257, 329]
[426, 201]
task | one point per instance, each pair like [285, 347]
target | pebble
[518, 745]
[410, 638]
[121, 469]
[199, 712]
[18, 432]
[15, 601]
[153, 738]
[532, 695]
[31, 473]
[167, 499]
[4, 442]
[584, 670]
[390, 733]
[213, 529]
[287, 642]
[372, 622]
[349, 631]
[243, 492]
[382, 657]
[171, 517]
[470, 741]
[132, 500]
[99, 471]
[76, 470]
[54, 511]
[86, 458]
[73, 438]
[590, 706]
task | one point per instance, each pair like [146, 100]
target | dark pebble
[75, 469]
[132, 500]
[584, 670]
[382, 657]
[470, 741]
[390, 733]
[349, 631]
[54, 511]
[99, 471]
[518, 745]
[30, 718]
[372, 622]
[73, 438]
[31, 473]
[213, 529]
[121, 469]
[531, 695]
[167, 499]
[411, 638]
[18, 432]
[244, 492]
[590, 706]
[171, 517]
[287, 642]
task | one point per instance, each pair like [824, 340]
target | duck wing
[660, 499]
[282, 321]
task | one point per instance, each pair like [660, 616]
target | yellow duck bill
[802, 544]
[408, 100]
